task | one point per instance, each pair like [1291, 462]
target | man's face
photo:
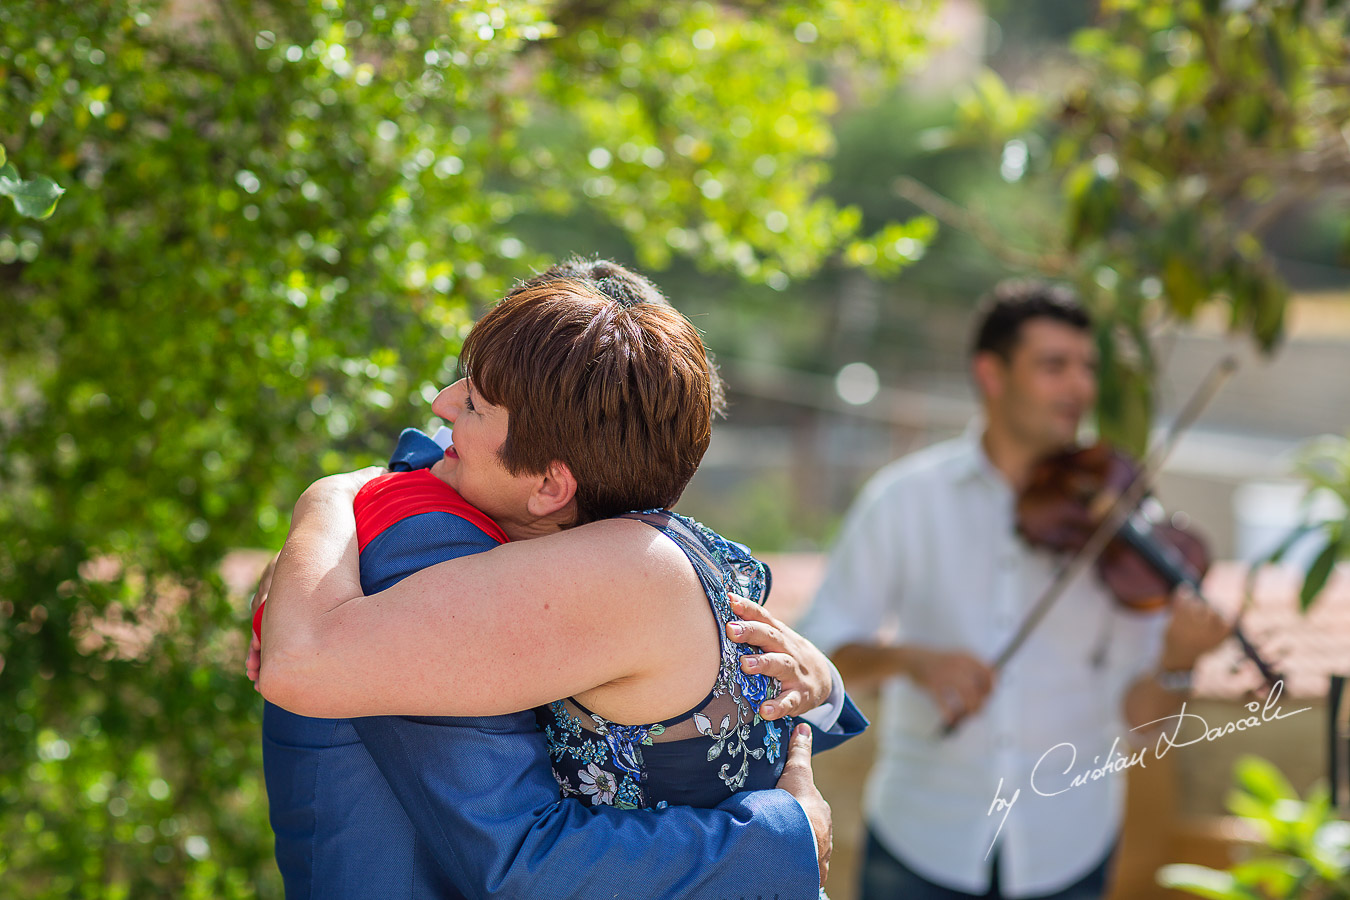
[472, 465]
[1042, 392]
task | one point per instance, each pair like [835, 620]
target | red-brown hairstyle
[621, 393]
[625, 286]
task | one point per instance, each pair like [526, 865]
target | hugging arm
[447, 640]
[487, 808]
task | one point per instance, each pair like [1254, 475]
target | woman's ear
[555, 492]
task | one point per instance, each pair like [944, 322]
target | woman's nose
[447, 403]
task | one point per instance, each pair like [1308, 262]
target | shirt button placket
[1004, 624]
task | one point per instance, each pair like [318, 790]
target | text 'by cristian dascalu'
[1051, 776]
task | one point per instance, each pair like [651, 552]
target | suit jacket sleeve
[849, 724]
[481, 794]
[836, 720]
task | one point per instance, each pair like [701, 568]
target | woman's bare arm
[495, 632]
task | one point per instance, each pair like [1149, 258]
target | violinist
[930, 579]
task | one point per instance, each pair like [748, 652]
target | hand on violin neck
[1195, 629]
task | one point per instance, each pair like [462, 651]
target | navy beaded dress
[703, 756]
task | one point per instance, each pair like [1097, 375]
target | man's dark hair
[606, 276]
[1012, 303]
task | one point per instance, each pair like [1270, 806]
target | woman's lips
[450, 452]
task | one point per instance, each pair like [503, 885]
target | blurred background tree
[281, 219]
[1173, 161]
[1187, 140]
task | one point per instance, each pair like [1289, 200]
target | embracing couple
[507, 668]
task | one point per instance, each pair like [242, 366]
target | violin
[1065, 498]
[1146, 558]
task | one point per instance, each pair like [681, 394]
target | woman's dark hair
[625, 287]
[1004, 310]
[619, 392]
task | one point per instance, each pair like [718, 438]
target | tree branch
[962, 219]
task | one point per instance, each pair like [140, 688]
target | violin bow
[1119, 511]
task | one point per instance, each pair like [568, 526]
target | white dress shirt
[928, 555]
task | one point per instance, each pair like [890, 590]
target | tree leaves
[1182, 135]
[1325, 464]
[1202, 882]
[287, 216]
[35, 198]
[894, 248]
[1306, 852]
[1259, 778]
[1320, 569]
[1184, 289]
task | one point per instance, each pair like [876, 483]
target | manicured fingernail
[750, 663]
[736, 629]
[769, 708]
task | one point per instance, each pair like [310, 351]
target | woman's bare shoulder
[623, 560]
[606, 544]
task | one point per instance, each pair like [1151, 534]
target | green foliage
[1325, 464]
[1182, 132]
[282, 219]
[678, 126]
[35, 198]
[894, 247]
[1306, 847]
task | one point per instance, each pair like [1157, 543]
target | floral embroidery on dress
[772, 742]
[625, 740]
[602, 762]
[598, 783]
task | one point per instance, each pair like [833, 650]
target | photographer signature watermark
[1189, 728]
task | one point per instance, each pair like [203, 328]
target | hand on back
[803, 672]
[798, 780]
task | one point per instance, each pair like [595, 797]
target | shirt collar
[973, 462]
